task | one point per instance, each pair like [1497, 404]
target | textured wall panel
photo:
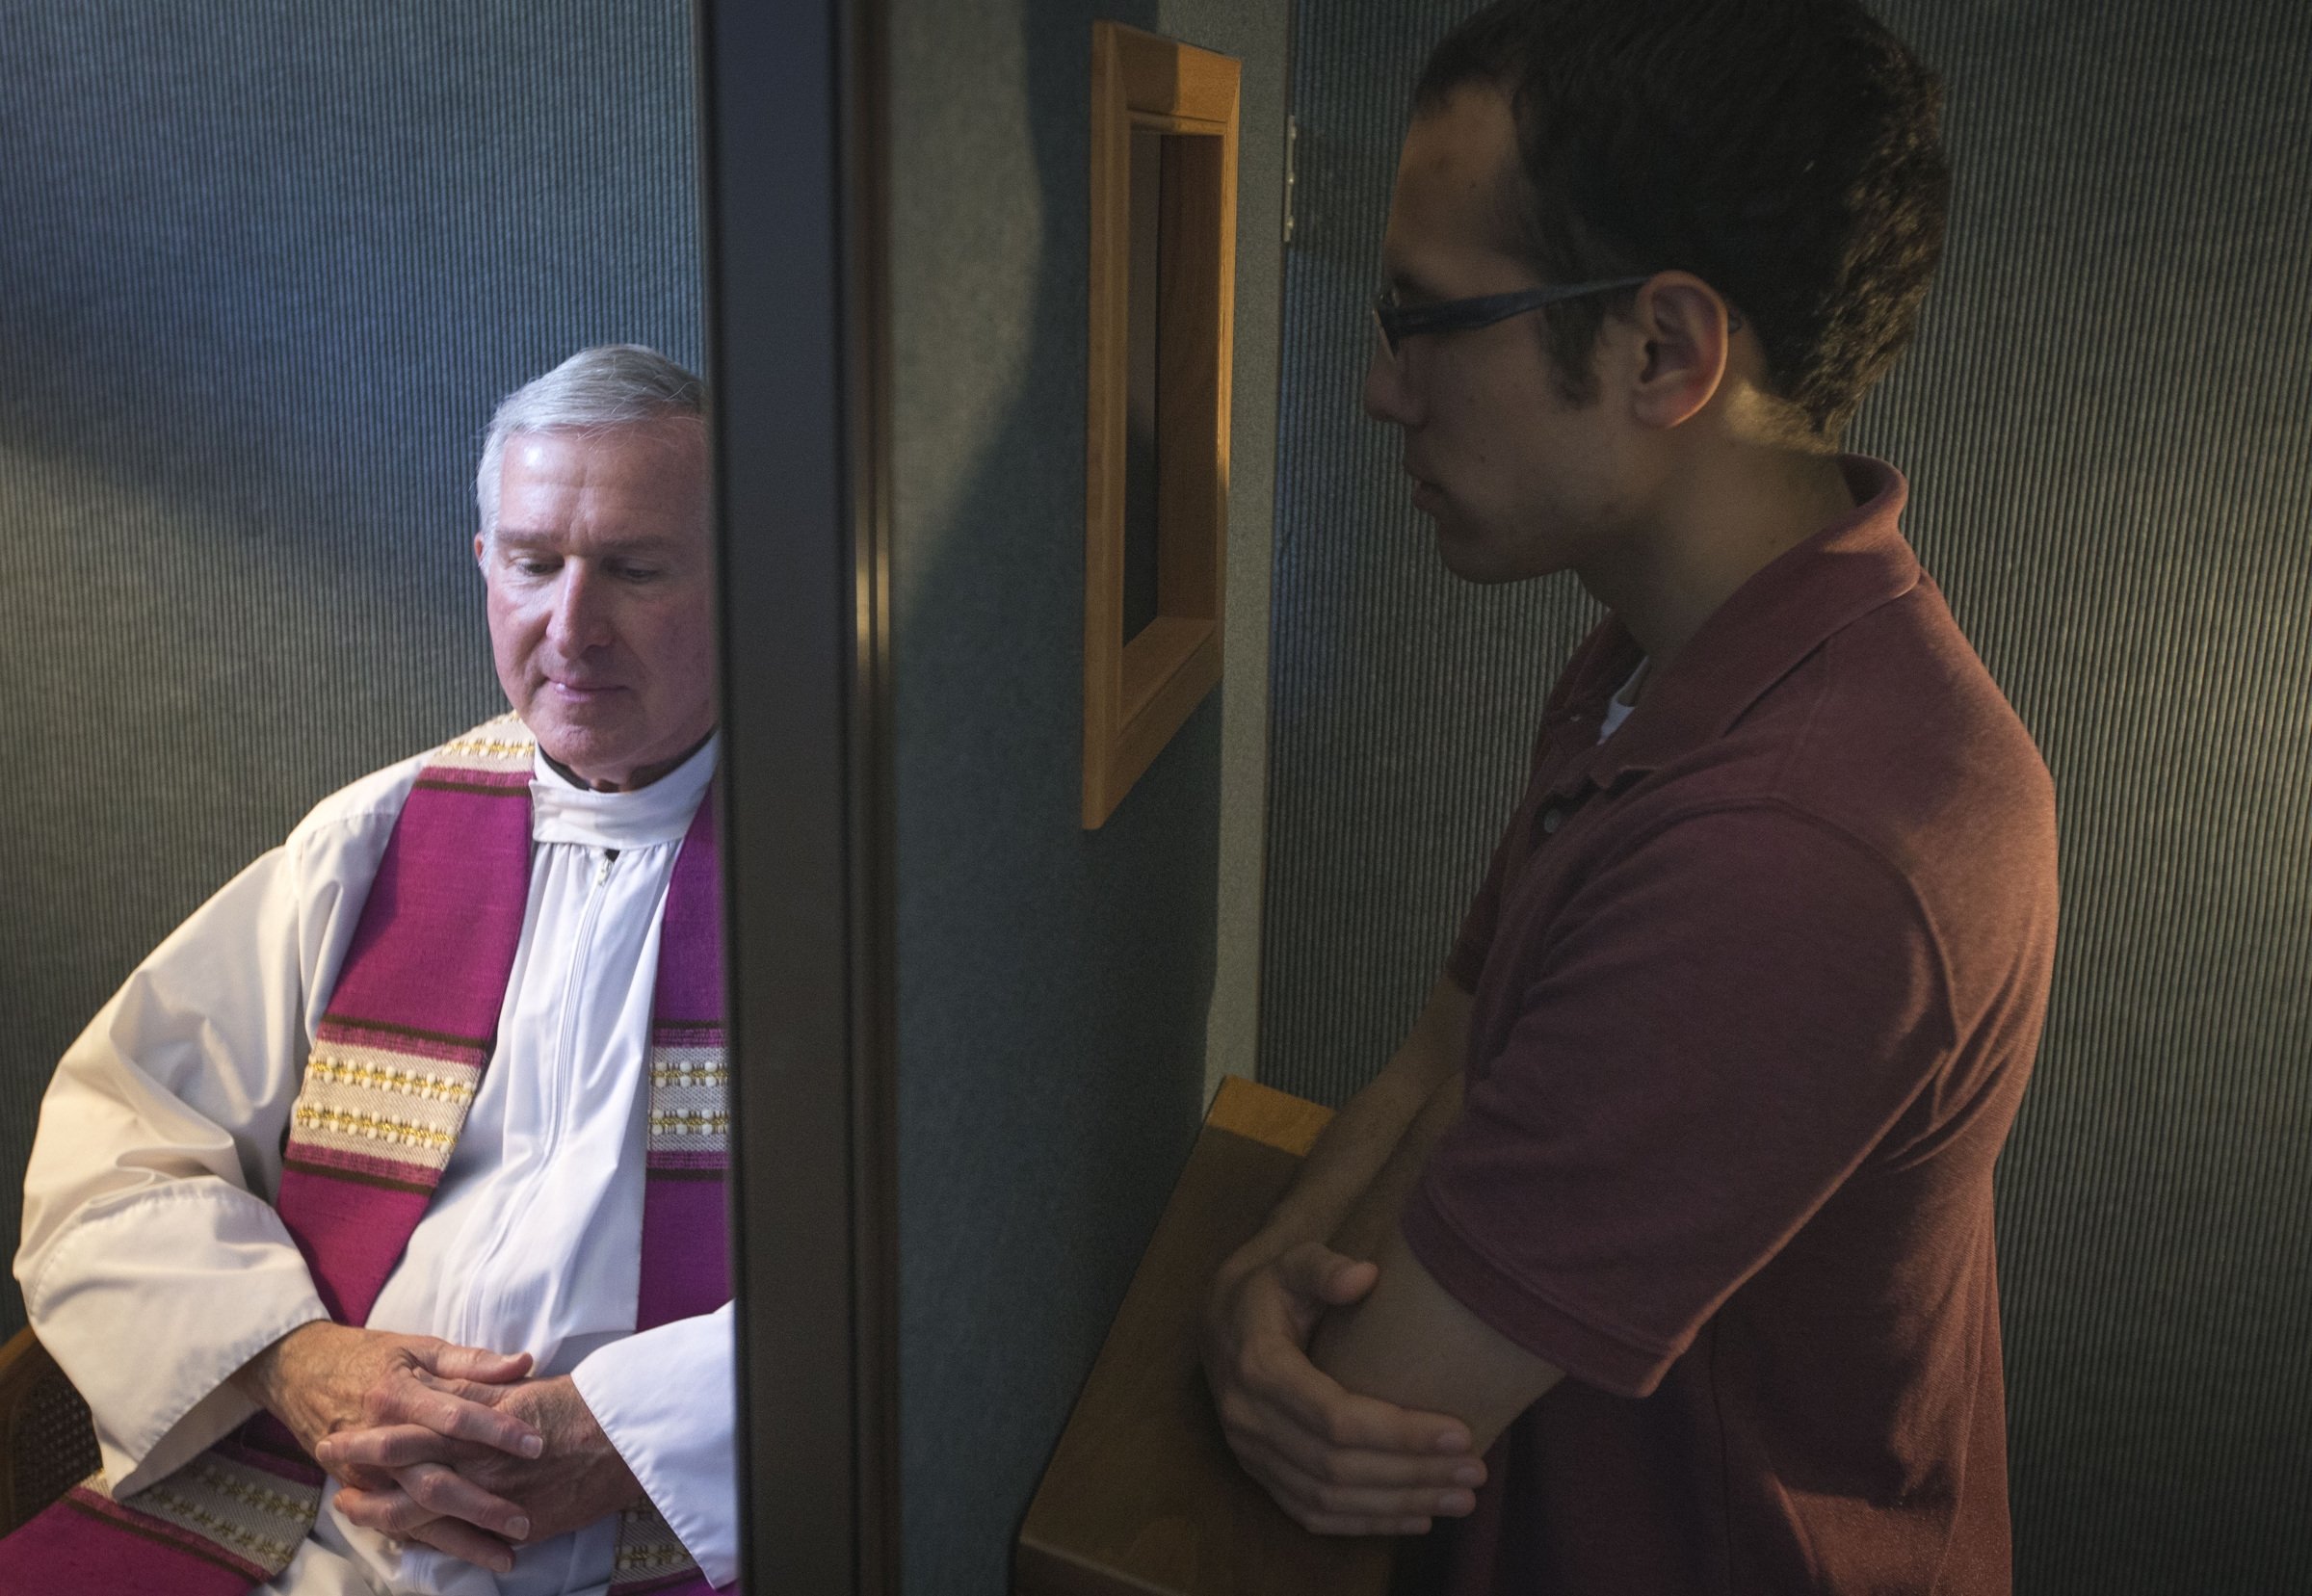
[2110, 421]
[1056, 987]
[265, 271]
[1402, 700]
[2108, 424]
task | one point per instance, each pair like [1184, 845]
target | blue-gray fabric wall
[1056, 989]
[2108, 425]
[266, 269]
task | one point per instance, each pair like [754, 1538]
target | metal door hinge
[1292, 146]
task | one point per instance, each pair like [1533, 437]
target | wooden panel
[1169, 688]
[1137, 695]
[1152, 661]
[1262, 1113]
[1105, 452]
[1177, 124]
[1192, 437]
[1172, 80]
[1143, 1497]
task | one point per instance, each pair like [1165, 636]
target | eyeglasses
[1399, 321]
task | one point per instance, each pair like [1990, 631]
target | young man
[1675, 1207]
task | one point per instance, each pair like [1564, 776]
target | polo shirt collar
[1775, 619]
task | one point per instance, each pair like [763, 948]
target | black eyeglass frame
[1397, 322]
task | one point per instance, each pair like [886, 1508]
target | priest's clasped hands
[452, 1447]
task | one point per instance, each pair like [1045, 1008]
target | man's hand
[470, 1500]
[1339, 1463]
[322, 1377]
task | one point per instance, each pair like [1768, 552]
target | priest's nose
[582, 615]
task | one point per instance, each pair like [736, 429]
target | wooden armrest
[1142, 1495]
[47, 1441]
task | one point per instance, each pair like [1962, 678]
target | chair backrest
[48, 1440]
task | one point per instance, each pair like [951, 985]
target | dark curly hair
[1787, 152]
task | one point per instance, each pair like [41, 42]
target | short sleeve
[1722, 1024]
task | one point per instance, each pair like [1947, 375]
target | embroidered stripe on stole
[395, 1063]
[398, 1053]
[686, 1256]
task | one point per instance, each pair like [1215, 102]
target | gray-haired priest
[378, 1217]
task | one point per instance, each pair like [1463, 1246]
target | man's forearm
[1339, 1462]
[1365, 1230]
[1363, 1146]
[1408, 1342]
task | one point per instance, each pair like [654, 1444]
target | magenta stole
[395, 1063]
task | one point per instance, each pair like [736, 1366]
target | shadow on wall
[263, 286]
[1054, 983]
[312, 247]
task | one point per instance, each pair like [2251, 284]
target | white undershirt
[1620, 706]
[166, 1116]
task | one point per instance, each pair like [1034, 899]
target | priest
[379, 1216]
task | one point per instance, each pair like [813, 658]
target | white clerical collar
[561, 811]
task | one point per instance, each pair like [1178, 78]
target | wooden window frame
[1137, 694]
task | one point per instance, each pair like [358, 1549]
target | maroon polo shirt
[1757, 985]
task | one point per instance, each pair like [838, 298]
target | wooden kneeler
[1143, 1497]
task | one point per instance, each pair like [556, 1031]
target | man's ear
[480, 544]
[1682, 338]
